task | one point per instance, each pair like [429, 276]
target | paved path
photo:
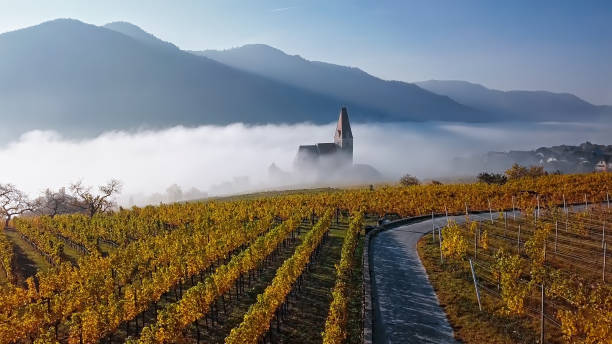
[406, 308]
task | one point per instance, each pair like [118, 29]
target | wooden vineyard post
[518, 241]
[490, 211]
[467, 214]
[475, 285]
[564, 206]
[513, 212]
[586, 204]
[608, 199]
[542, 316]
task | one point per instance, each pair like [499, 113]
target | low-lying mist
[186, 163]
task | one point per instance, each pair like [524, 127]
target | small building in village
[603, 166]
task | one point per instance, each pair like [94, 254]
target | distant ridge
[401, 100]
[520, 105]
[82, 79]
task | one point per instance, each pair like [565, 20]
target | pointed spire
[343, 129]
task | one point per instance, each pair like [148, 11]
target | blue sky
[562, 46]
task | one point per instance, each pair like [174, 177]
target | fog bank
[213, 160]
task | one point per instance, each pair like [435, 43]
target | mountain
[564, 158]
[83, 79]
[520, 105]
[139, 34]
[400, 100]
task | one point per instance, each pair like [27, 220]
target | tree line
[78, 198]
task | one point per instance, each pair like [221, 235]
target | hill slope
[83, 79]
[520, 105]
[401, 100]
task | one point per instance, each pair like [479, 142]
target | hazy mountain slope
[141, 35]
[84, 79]
[351, 85]
[519, 105]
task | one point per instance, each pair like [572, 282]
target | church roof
[343, 129]
[312, 149]
[327, 148]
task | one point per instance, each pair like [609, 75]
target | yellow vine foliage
[335, 325]
[513, 292]
[454, 245]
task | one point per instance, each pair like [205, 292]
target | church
[333, 154]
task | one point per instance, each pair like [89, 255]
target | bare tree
[94, 203]
[13, 202]
[56, 202]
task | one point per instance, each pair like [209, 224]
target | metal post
[603, 233]
[490, 211]
[433, 228]
[441, 258]
[475, 285]
[542, 316]
[556, 233]
[538, 199]
[564, 205]
[603, 271]
[446, 211]
[586, 204]
[608, 199]
[518, 241]
[475, 242]
[513, 212]
[505, 221]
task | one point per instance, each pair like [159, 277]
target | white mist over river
[236, 158]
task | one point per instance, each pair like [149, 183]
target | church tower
[343, 138]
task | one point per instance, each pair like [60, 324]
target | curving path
[406, 308]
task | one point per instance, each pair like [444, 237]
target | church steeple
[343, 136]
[343, 129]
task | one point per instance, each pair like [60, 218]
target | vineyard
[286, 268]
[542, 270]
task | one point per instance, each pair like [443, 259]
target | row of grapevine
[155, 249]
[68, 289]
[335, 325]
[512, 264]
[197, 300]
[7, 257]
[48, 245]
[188, 256]
[256, 321]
